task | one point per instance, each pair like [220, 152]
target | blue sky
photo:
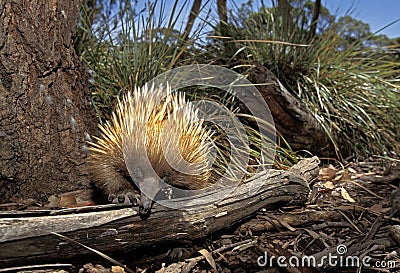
[377, 13]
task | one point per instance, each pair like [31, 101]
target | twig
[374, 229]
[95, 251]
[350, 222]
[223, 248]
[33, 267]
[365, 189]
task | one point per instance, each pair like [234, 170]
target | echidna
[154, 135]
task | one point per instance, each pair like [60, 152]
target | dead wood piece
[122, 229]
[257, 226]
[380, 178]
[27, 227]
[39, 268]
[296, 124]
[304, 168]
[374, 229]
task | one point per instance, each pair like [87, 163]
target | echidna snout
[149, 187]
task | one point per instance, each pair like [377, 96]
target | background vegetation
[347, 77]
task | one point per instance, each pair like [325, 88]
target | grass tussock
[351, 88]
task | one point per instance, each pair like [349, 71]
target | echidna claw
[112, 198]
[128, 197]
[133, 197]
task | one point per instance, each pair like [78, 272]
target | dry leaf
[346, 175]
[89, 267]
[351, 170]
[286, 224]
[327, 173]
[346, 195]
[342, 175]
[206, 254]
[329, 185]
[117, 269]
[376, 208]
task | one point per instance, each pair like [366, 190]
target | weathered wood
[291, 117]
[29, 239]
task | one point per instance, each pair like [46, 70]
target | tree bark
[287, 20]
[223, 19]
[45, 109]
[222, 12]
[194, 12]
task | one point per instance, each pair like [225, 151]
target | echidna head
[149, 187]
[146, 179]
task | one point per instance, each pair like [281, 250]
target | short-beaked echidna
[154, 134]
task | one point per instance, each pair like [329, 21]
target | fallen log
[27, 237]
[292, 119]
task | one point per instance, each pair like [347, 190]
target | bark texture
[45, 106]
[194, 12]
[112, 228]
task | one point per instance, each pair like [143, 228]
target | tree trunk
[45, 109]
[222, 12]
[194, 12]
[223, 18]
[314, 20]
[287, 20]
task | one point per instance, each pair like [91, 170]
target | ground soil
[353, 209]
